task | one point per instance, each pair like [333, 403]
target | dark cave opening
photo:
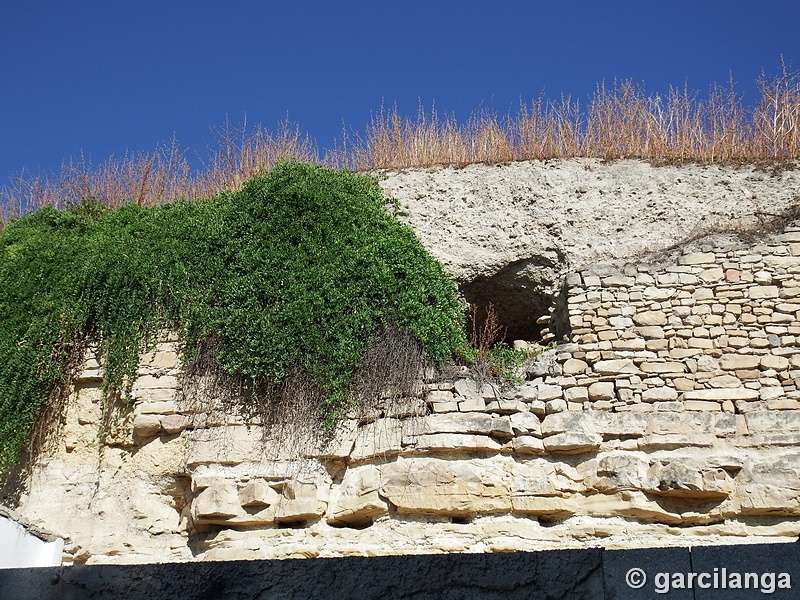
[519, 297]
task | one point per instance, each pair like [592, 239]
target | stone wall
[669, 416]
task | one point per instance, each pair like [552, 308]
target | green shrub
[296, 273]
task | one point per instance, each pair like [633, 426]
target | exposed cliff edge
[510, 234]
[670, 415]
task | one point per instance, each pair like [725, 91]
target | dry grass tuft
[620, 121]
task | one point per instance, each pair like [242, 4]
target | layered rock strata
[666, 412]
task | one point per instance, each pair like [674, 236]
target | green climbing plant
[296, 273]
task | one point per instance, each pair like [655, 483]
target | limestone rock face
[218, 501]
[438, 487]
[662, 409]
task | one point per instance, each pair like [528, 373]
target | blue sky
[110, 77]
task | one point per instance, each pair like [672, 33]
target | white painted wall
[19, 548]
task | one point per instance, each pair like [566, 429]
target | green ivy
[299, 269]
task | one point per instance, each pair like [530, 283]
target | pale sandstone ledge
[671, 417]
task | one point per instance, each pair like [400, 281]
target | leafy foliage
[295, 273]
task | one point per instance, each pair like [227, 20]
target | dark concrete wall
[589, 574]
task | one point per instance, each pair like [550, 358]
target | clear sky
[107, 77]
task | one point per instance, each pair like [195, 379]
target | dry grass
[619, 121]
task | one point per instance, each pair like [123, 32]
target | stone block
[761, 292]
[659, 394]
[681, 353]
[784, 262]
[572, 442]
[650, 317]
[476, 423]
[615, 367]
[157, 408]
[466, 387]
[357, 500]
[783, 404]
[658, 294]
[768, 393]
[441, 487]
[90, 375]
[538, 408]
[527, 392]
[474, 404]
[505, 406]
[630, 345]
[440, 396]
[702, 294]
[620, 322]
[733, 275]
[453, 442]
[778, 363]
[677, 479]
[382, 438]
[722, 394]
[549, 392]
[591, 281]
[625, 424]
[701, 343]
[711, 275]
[767, 421]
[156, 395]
[555, 406]
[618, 281]
[525, 423]
[736, 362]
[357, 511]
[701, 405]
[301, 500]
[528, 444]
[145, 426]
[576, 394]
[601, 390]
[154, 382]
[663, 367]
[258, 492]
[172, 424]
[725, 424]
[652, 332]
[218, 501]
[165, 359]
[574, 366]
[584, 421]
[725, 381]
[656, 345]
[544, 364]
